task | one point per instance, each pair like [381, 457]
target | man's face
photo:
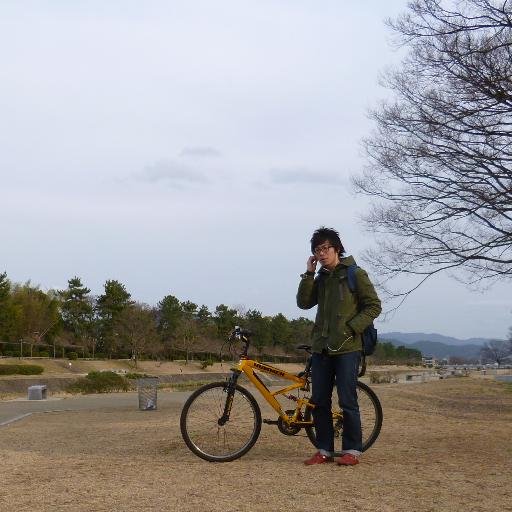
[327, 255]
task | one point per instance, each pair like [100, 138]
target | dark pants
[343, 369]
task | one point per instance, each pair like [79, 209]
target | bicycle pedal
[270, 422]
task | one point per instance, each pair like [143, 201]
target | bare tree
[187, 335]
[497, 351]
[136, 328]
[440, 161]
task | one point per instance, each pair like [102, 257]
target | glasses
[323, 248]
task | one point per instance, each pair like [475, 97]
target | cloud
[303, 175]
[174, 173]
[200, 151]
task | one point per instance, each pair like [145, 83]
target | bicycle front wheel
[200, 427]
[370, 411]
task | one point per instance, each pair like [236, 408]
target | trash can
[147, 389]
[37, 392]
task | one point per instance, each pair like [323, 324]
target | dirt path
[445, 445]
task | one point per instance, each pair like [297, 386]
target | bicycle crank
[289, 429]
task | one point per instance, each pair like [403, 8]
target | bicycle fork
[230, 390]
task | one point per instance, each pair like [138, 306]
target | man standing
[340, 320]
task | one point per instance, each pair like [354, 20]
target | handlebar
[238, 333]
[243, 335]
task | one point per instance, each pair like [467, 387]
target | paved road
[16, 410]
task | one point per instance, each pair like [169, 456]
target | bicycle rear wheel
[200, 427]
[369, 409]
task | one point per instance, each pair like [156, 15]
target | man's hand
[311, 264]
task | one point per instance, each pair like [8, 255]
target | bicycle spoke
[201, 429]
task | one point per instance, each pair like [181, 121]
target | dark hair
[322, 235]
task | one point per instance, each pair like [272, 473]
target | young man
[336, 338]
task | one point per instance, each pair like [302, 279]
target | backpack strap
[352, 284]
[351, 277]
[351, 280]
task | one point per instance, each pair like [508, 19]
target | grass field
[445, 445]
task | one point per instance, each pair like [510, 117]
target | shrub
[21, 369]
[99, 382]
[206, 363]
[44, 354]
[8, 369]
[30, 369]
[72, 355]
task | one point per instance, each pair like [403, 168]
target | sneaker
[318, 458]
[347, 459]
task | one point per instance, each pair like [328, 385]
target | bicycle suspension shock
[230, 390]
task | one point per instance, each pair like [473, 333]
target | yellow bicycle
[221, 421]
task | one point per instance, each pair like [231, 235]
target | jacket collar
[343, 264]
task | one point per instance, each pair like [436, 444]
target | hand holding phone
[311, 264]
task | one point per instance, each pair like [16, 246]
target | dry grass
[445, 445]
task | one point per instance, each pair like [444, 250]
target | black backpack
[369, 335]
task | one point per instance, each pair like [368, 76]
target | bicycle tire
[371, 416]
[220, 443]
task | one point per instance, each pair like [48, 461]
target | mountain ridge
[437, 345]
[413, 337]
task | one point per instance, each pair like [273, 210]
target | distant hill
[441, 350]
[412, 337]
[437, 345]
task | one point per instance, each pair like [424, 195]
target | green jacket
[341, 316]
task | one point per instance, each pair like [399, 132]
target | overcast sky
[191, 147]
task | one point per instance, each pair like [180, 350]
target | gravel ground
[445, 445]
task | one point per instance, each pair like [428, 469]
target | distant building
[429, 361]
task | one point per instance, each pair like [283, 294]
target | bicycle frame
[248, 367]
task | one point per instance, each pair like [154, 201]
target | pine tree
[108, 306]
[169, 316]
[6, 310]
[76, 309]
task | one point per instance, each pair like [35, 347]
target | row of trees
[114, 325]
[386, 352]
